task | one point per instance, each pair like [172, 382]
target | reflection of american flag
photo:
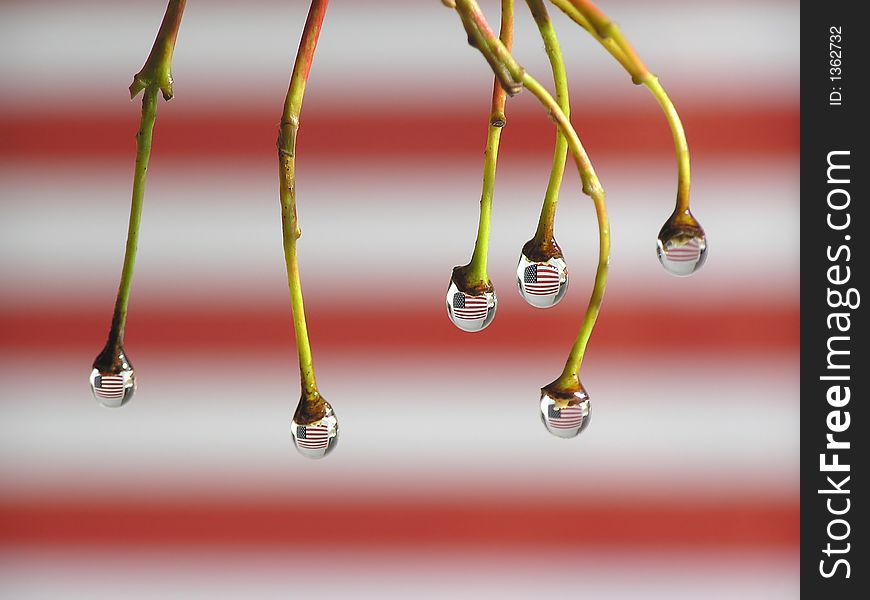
[110, 387]
[541, 280]
[312, 437]
[469, 307]
[567, 418]
[688, 252]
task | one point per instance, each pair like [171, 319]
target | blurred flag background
[444, 483]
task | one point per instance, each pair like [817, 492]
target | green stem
[575, 15]
[477, 273]
[490, 46]
[153, 77]
[591, 186]
[545, 230]
[287, 176]
[684, 177]
[608, 34]
[143, 153]
[571, 371]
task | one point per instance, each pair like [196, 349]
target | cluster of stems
[511, 76]
[544, 235]
[475, 275]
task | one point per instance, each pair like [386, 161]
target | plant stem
[143, 153]
[684, 176]
[287, 176]
[608, 34]
[154, 75]
[569, 9]
[545, 230]
[592, 187]
[489, 45]
[477, 269]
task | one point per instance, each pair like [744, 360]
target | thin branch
[153, 77]
[475, 274]
[312, 405]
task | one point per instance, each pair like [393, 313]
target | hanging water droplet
[470, 312]
[682, 245]
[113, 387]
[317, 438]
[565, 414]
[542, 283]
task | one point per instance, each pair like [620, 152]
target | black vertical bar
[835, 232]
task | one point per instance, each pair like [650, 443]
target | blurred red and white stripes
[444, 483]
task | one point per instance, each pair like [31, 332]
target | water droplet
[542, 283]
[565, 414]
[112, 380]
[113, 388]
[470, 312]
[318, 438]
[682, 245]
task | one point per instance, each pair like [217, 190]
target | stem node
[157, 70]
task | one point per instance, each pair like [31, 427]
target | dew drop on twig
[542, 284]
[470, 312]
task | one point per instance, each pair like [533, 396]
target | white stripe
[388, 574]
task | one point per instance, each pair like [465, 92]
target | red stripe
[183, 131]
[611, 523]
[266, 328]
